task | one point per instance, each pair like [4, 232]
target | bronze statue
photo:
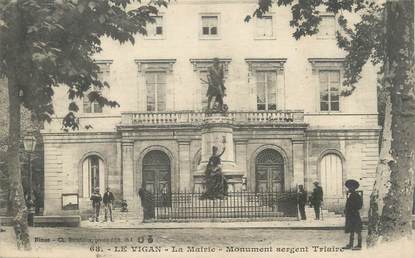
[216, 184]
[216, 87]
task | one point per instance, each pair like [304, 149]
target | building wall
[359, 153]
[352, 132]
[237, 43]
[64, 155]
[302, 152]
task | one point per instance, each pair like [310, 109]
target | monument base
[217, 131]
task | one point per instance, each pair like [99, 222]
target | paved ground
[307, 224]
[77, 242]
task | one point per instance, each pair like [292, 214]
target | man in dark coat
[317, 199]
[353, 221]
[96, 203]
[108, 199]
[302, 200]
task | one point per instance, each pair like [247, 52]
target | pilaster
[128, 181]
[185, 173]
[298, 163]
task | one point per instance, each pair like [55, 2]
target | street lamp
[29, 142]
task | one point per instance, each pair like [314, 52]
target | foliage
[49, 43]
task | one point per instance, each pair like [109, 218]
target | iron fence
[185, 205]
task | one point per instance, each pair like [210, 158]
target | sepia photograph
[207, 128]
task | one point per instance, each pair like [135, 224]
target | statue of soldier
[216, 85]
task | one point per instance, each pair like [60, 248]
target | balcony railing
[195, 118]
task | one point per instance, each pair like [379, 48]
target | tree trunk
[19, 209]
[381, 186]
[390, 215]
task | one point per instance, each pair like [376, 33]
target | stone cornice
[275, 64]
[144, 65]
[325, 60]
[200, 64]
[326, 63]
[103, 61]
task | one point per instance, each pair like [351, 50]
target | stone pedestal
[217, 131]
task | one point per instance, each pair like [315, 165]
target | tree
[51, 43]
[385, 36]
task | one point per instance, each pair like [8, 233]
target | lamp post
[29, 142]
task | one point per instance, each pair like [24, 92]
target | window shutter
[272, 90]
[252, 90]
[280, 89]
[86, 104]
[268, 30]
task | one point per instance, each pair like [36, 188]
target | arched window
[92, 175]
[331, 175]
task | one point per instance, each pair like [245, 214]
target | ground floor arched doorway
[156, 172]
[269, 171]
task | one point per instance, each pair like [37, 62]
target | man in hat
[317, 199]
[353, 221]
[302, 200]
[108, 199]
[96, 202]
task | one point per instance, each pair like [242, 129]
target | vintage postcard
[207, 128]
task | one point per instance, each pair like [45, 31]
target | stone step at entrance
[218, 215]
[324, 214]
[118, 215]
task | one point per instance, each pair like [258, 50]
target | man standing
[302, 200]
[317, 199]
[353, 221]
[108, 200]
[96, 202]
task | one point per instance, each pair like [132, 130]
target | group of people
[314, 200]
[107, 199]
[354, 203]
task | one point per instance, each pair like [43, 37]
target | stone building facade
[287, 122]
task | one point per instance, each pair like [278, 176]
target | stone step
[325, 213]
[119, 215]
[178, 215]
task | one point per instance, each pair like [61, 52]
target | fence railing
[195, 118]
[238, 204]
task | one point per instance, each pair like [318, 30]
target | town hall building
[287, 123]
